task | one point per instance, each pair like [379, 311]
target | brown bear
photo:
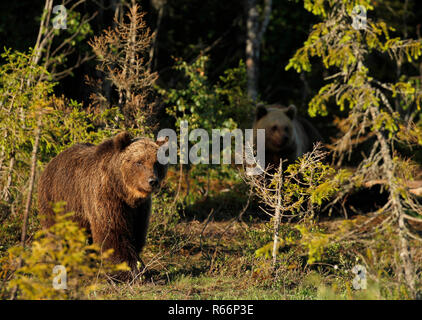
[108, 187]
[287, 136]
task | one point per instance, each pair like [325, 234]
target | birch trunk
[255, 33]
[6, 191]
[31, 181]
[277, 216]
[158, 5]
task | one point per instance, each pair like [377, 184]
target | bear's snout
[284, 140]
[278, 141]
[153, 182]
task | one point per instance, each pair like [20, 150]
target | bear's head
[278, 124]
[138, 166]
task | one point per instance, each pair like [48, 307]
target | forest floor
[215, 262]
[210, 253]
[204, 246]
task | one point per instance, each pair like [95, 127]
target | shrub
[63, 244]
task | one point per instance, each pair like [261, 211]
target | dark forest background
[210, 236]
[219, 29]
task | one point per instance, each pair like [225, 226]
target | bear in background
[109, 188]
[287, 136]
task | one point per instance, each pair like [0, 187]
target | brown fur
[107, 187]
[287, 136]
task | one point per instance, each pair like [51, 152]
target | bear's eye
[274, 128]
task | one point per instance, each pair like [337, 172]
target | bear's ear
[162, 141]
[261, 111]
[291, 111]
[122, 140]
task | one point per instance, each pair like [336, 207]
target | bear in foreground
[109, 188]
[287, 136]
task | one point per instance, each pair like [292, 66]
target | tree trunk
[31, 181]
[29, 197]
[251, 48]
[276, 232]
[45, 20]
[407, 265]
[277, 216]
[2, 156]
[255, 33]
[6, 191]
[159, 6]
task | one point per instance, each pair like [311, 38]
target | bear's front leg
[141, 223]
[121, 241]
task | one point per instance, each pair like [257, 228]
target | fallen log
[414, 186]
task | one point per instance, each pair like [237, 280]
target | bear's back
[69, 161]
[66, 177]
[307, 136]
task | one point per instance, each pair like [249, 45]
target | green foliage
[323, 7]
[314, 241]
[231, 92]
[21, 100]
[75, 27]
[339, 45]
[373, 106]
[208, 106]
[64, 244]
[299, 192]
[26, 101]
[309, 181]
[318, 182]
[75, 35]
[338, 291]
[68, 123]
[266, 250]
[223, 105]
[165, 218]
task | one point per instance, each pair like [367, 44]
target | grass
[204, 287]
[204, 248]
[220, 266]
